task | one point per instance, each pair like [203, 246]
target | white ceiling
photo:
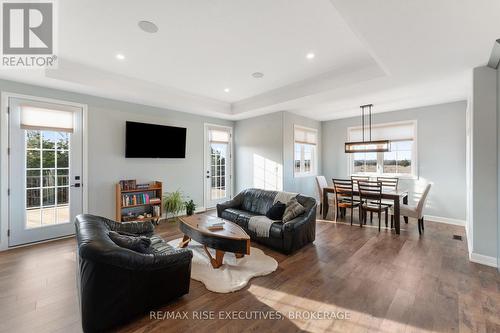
[395, 54]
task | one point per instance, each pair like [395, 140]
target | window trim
[414, 157]
[314, 168]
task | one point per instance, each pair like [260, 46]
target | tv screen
[154, 141]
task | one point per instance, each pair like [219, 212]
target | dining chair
[417, 211]
[370, 193]
[388, 184]
[356, 178]
[344, 197]
[321, 183]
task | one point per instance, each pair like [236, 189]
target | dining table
[395, 195]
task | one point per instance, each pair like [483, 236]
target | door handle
[76, 185]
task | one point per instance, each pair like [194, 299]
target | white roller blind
[35, 118]
[396, 131]
[305, 135]
[217, 135]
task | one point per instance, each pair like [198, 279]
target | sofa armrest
[235, 202]
[301, 220]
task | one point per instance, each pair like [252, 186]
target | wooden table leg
[405, 201]
[219, 257]
[185, 241]
[325, 204]
[239, 255]
[396, 215]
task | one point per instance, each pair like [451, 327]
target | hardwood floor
[383, 282]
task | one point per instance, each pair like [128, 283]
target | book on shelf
[135, 199]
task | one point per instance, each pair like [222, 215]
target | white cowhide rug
[234, 274]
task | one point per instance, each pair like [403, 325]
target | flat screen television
[154, 141]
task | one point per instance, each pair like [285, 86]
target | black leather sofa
[284, 237]
[115, 284]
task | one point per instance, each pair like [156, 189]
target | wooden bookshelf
[132, 202]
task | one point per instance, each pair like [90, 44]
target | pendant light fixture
[368, 146]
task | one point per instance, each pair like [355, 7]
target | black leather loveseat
[115, 283]
[285, 237]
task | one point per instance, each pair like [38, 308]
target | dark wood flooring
[385, 283]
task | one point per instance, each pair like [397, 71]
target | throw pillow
[293, 209]
[276, 211]
[139, 244]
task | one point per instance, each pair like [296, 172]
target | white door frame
[205, 161]
[4, 157]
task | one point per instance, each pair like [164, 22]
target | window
[400, 161]
[305, 151]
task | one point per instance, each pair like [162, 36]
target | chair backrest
[320, 185]
[343, 188]
[370, 190]
[389, 182]
[356, 178]
[423, 199]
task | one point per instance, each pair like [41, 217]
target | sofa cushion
[258, 201]
[293, 209]
[238, 216]
[139, 244]
[160, 246]
[276, 211]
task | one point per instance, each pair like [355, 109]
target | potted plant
[173, 203]
[190, 207]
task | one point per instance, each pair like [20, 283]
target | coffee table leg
[184, 242]
[219, 257]
[239, 255]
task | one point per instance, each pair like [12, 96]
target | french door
[218, 160]
[45, 169]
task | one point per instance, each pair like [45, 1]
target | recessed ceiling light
[120, 56]
[148, 26]
[310, 55]
[258, 75]
[226, 90]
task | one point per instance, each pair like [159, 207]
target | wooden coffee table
[231, 239]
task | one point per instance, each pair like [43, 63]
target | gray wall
[106, 144]
[271, 137]
[256, 138]
[441, 154]
[485, 164]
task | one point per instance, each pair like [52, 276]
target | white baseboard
[446, 220]
[482, 259]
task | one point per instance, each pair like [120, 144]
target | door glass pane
[33, 139]
[32, 178]
[33, 218]
[33, 159]
[49, 197]
[33, 198]
[47, 178]
[218, 153]
[49, 140]
[62, 177]
[62, 195]
[62, 159]
[48, 216]
[48, 159]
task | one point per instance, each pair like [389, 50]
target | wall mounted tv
[154, 141]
